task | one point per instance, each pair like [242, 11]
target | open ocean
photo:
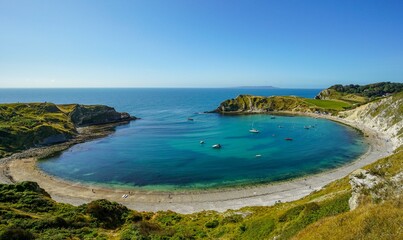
[162, 151]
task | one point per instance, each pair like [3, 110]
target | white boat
[216, 146]
[201, 142]
[253, 130]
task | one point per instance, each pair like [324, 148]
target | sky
[199, 43]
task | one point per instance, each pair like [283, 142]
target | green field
[329, 104]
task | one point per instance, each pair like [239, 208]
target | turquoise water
[162, 151]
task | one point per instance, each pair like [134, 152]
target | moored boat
[253, 130]
[216, 146]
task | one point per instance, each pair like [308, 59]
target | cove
[167, 155]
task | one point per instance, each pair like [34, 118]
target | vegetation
[373, 221]
[387, 111]
[332, 100]
[370, 90]
[329, 105]
[24, 125]
[360, 94]
[331, 94]
[28, 212]
[281, 103]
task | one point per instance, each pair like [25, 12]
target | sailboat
[253, 130]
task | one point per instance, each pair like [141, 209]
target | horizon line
[236, 87]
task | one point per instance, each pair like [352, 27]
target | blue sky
[190, 43]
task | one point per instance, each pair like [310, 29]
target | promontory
[27, 125]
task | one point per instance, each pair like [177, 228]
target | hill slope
[25, 125]
[383, 115]
[258, 104]
[359, 94]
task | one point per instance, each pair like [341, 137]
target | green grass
[282, 103]
[332, 94]
[372, 221]
[26, 125]
[329, 104]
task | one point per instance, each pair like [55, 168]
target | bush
[108, 214]
[234, 218]
[212, 224]
[291, 214]
[147, 228]
[16, 233]
[135, 217]
[169, 218]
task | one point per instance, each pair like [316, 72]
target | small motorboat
[258, 155]
[216, 146]
[190, 119]
[288, 139]
[201, 142]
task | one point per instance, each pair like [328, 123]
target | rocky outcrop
[58, 138]
[384, 116]
[258, 104]
[368, 186]
[363, 183]
[324, 95]
[85, 115]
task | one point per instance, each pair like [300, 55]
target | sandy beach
[25, 169]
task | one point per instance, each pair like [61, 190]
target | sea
[163, 150]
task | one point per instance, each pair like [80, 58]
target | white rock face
[380, 116]
[361, 180]
[363, 183]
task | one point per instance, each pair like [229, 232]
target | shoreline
[222, 199]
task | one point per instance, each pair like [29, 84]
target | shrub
[108, 214]
[169, 218]
[135, 217]
[212, 224]
[16, 233]
[234, 218]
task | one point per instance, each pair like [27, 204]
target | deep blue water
[162, 150]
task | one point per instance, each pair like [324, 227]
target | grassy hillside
[359, 94]
[332, 94]
[25, 125]
[248, 103]
[27, 210]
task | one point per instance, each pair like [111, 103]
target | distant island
[364, 202]
[257, 87]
